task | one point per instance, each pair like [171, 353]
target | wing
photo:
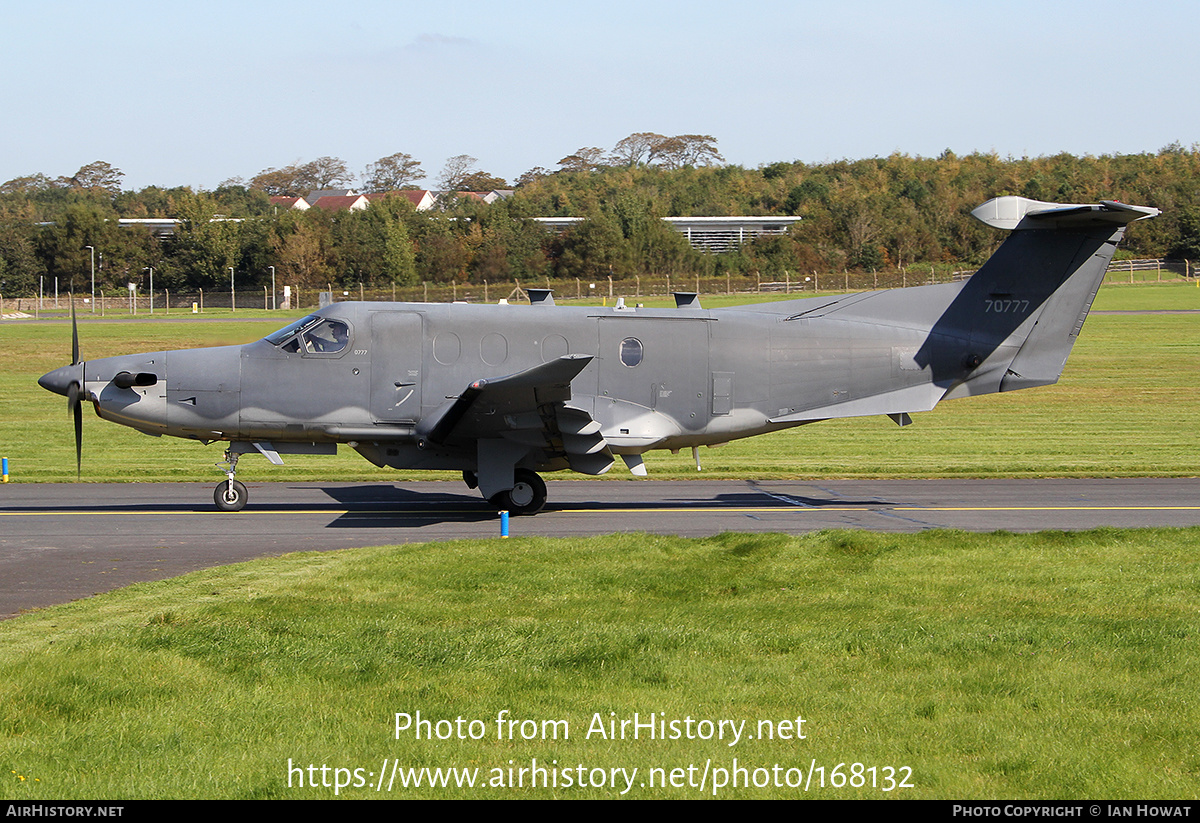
[529, 411]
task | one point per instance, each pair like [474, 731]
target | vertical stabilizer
[1034, 293]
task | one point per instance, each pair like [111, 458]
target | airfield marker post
[92, 251]
[503, 513]
[4, 469]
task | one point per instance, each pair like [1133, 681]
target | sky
[193, 94]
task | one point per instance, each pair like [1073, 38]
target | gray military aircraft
[501, 393]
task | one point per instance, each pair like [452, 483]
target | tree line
[864, 214]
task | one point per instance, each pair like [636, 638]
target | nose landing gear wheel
[230, 496]
[527, 496]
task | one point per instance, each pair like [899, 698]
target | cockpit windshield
[277, 337]
[312, 335]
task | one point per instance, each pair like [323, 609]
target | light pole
[92, 250]
[272, 268]
[232, 294]
[151, 270]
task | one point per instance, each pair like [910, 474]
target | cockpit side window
[312, 335]
[328, 337]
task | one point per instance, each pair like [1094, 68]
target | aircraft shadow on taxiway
[373, 506]
[760, 499]
[366, 496]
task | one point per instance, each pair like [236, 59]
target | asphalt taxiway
[60, 542]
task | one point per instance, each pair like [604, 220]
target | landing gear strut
[527, 496]
[230, 494]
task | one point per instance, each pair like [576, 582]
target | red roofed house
[421, 199]
[281, 202]
[349, 202]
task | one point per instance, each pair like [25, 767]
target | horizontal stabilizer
[1012, 212]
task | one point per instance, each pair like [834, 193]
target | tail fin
[1035, 291]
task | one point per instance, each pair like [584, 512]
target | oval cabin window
[631, 351]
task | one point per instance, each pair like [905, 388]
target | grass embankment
[993, 666]
[1126, 406]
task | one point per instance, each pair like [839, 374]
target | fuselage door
[396, 366]
[658, 363]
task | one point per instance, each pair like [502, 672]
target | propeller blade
[75, 409]
[74, 334]
[78, 411]
[74, 392]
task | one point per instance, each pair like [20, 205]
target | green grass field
[990, 666]
[933, 665]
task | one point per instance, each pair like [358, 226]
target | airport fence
[606, 289]
[1149, 270]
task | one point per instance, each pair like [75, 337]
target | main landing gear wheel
[527, 496]
[230, 496]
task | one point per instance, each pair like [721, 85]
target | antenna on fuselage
[541, 297]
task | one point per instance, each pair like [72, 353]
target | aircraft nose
[59, 380]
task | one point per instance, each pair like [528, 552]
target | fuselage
[657, 378]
